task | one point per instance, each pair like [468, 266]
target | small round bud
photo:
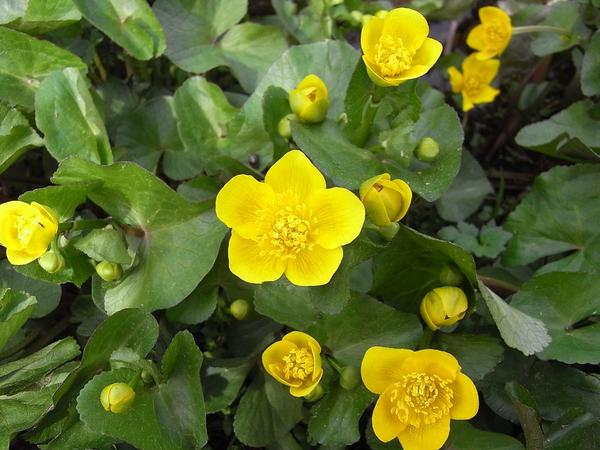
[52, 262]
[117, 397]
[443, 306]
[315, 394]
[450, 275]
[310, 100]
[381, 13]
[146, 376]
[240, 309]
[284, 127]
[386, 201]
[427, 150]
[366, 18]
[356, 17]
[109, 271]
[349, 378]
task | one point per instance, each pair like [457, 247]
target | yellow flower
[396, 47]
[492, 35]
[26, 230]
[386, 200]
[444, 306]
[117, 397]
[419, 392]
[310, 100]
[295, 361]
[474, 81]
[289, 224]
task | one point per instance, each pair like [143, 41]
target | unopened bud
[315, 394]
[427, 150]
[450, 275]
[117, 397]
[284, 127]
[356, 17]
[52, 262]
[310, 100]
[349, 378]
[366, 18]
[240, 309]
[443, 306]
[386, 201]
[109, 271]
[381, 13]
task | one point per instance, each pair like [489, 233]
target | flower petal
[241, 202]
[423, 61]
[313, 80]
[493, 13]
[467, 104]
[316, 354]
[340, 216]
[248, 261]
[22, 257]
[369, 36]
[466, 399]
[314, 267]
[456, 79]
[385, 425]
[294, 172]
[408, 25]
[426, 437]
[272, 360]
[379, 80]
[476, 38]
[307, 387]
[302, 339]
[432, 361]
[487, 95]
[382, 366]
[9, 212]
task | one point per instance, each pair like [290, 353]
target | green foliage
[15, 309]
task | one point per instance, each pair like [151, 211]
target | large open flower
[474, 81]
[295, 361]
[26, 230]
[419, 392]
[396, 47]
[289, 224]
[492, 35]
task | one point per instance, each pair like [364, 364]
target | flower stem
[425, 341]
[83, 224]
[335, 364]
[539, 29]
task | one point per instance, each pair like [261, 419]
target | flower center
[495, 33]
[25, 227]
[392, 56]
[298, 364]
[473, 85]
[310, 93]
[421, 399]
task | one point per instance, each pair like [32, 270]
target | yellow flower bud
[52, 262]
[317, 393]
[349, 378]
[284, 127]
[427, 150]
[117, 397]
[240, 309]
[386, 201]
[26, 230]
[109, 271]
[310, 100]
[443, 306]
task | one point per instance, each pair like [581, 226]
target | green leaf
[580, 431]
[130, 23]
[15, 309]
[16, 375]
[16, 138]
[431, 180]
[569, 134]
[558, 216]
[106, 244]
[574, 331]
[265, 413]
[197, 307]
[313, 23]
[477, 354]
[464, 436]
[63, 98]
[334, 420]
[489, 241]
[519, 330]
[417, 260]
[466, 193]
[25, 61]
[42, 16]
[590, 75]
[363, 323]
[275, 106]
[528, 417]
[346, 164]
[222, 380]
[62, 199]
[46, 294]
[179, 240]
[562, 15]
[199, 189]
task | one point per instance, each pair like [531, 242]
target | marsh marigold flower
[26, 230]
[396, 47]
[492, 35]
[310, 100]
[295, 361]
[444, 306]
[386, 201]
[474, 81]
[117, 397]
[419, 392]
[289, 224]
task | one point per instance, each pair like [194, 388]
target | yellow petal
[404, 189]
[295, 173]
[9, 213]
[426, 56]
[241, 202]
[467, 104]
[373, 72]
[367, 185]
[21, 257]
[249, 261]
[272, 360]
[369, 36]
[307, 387]
[466, 400]
[385, 425]
[382, 367]
[456, 79]
[314, 267]
[376, 209]
[489, 69]
[431, 361]
[315, 350]
[46, 212]
[340, 216]
[424, 310]
[492, 14]
[476, 38]
[302, 340]
[408, 25]
[312, 80]
[426, 437]
[487, 95]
